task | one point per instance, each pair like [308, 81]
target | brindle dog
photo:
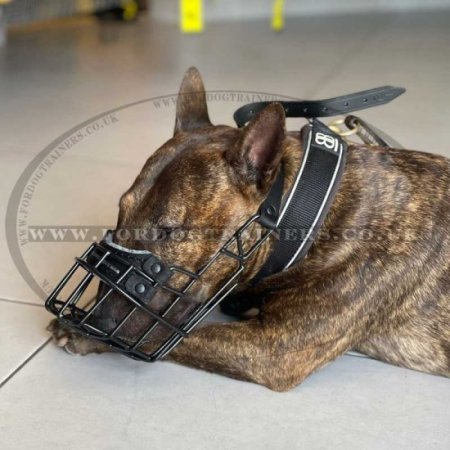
[387, 296]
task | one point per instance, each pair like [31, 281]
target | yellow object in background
[130, 9]
[277, 15]
[191, 16]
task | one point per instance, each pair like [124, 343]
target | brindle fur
[384, 296]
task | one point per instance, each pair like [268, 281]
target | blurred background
[63, 65]
[91, 55]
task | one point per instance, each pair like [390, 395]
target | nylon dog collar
[308, 201]
[138, 275]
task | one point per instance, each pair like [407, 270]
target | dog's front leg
[254, 352]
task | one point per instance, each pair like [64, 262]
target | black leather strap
[324, 108]
[119, 259]
[309, 200]
[269, 211]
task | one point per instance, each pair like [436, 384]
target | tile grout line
[19, 302]
[22, 365]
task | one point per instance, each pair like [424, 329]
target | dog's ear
[258, 153]
[192, 111]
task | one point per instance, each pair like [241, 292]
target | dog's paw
[73, 342]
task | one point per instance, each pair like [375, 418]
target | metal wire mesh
[95, 265]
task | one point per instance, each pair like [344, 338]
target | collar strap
[324, 108]
[298, 220]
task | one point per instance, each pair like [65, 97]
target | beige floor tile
[107, 401]
[86, 200]
[22, 332]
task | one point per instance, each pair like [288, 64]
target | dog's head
[192, 194]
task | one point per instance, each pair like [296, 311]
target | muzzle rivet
[270, 210]
[156, 268]
[140, 288]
